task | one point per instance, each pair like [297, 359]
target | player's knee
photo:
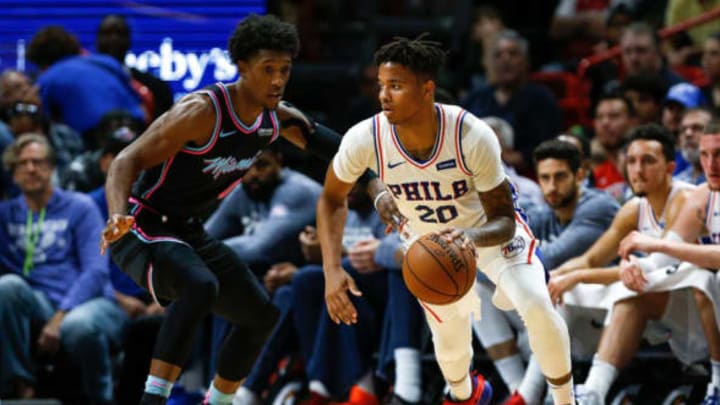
[203, 292]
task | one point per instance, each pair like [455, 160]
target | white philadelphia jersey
[648, 222]
[712, 219]
[441, 191]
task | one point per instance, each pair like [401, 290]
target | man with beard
[573, 218]
[696, 218]
[692, 125]
[270, 208]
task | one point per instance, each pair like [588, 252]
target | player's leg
[524, 285]
[498, 338]
[170, 271]
[621, 338]
[452, 341]
[712, 335]
[242, 301]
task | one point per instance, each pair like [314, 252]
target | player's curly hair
[420, 55]
[51, 44]
[267, 32]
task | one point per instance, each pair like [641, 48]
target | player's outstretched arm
[331, 215]
[500, 213]
[303, 132]
[190, 120]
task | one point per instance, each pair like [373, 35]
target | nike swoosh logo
[396, 164]
[227, 133]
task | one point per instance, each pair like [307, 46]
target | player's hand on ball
[451, 235]
[340, 308]
[117, 226]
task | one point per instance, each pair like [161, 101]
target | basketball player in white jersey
[650, 163]
[442, 166]
[698, 219]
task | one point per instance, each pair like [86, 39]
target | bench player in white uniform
[442, 166]
[699, 219]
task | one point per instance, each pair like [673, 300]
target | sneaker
[515, 399]
[481, 393]
[359, 396]
[314, 398]
[679, 395]
[584, 396]
[712, 397]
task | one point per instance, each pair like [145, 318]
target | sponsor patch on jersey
[265, 132]
[446, 164]
[514, 247]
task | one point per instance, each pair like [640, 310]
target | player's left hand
[632, 275]
[456, 235]
[117, 226]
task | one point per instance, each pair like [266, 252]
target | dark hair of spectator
[642, 28]
[652, 85]
[12, 151]
[266, 32]
[560, 150]
[616, 95]
[50, 45]
[421, 56]
[654, 132]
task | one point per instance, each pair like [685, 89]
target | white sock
[408, 374]
[563, 394]
[461, 390]
[318, 387]
[366, 383]
[217, 397]
[244, 396]
[511, 370]
[533, 383]
[601, 377]
[715, 375]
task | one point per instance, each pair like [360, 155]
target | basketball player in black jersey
[188, 160]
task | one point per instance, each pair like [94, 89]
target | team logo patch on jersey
[265, 131]
[446, 164]
[514, 247]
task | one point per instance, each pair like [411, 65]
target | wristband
[377, 198]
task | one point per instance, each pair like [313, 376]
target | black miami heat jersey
[193, 182]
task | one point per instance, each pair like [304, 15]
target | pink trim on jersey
[276, 127]
[458, 139]
[229, 188]
[239, 125]
[216, 130]
[531, 252]
[437, 151]
[151, 288]
[427, 308]
[378, 145]
[163, 175]
[154, 239]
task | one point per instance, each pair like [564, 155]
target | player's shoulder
[363, 130]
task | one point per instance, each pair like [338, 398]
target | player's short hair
[12, 151]
[560, 150]
[51, 44]
[654, 132]
[262, 32]
[421, 56]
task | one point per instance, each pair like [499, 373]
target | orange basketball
[438, 272]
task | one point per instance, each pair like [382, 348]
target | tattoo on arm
[500, 214]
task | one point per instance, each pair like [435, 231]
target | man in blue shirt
[52, 273]
[567, 225]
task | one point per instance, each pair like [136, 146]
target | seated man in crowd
[692, 125]
[53, 279]
[697, 220]
[571, 219]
